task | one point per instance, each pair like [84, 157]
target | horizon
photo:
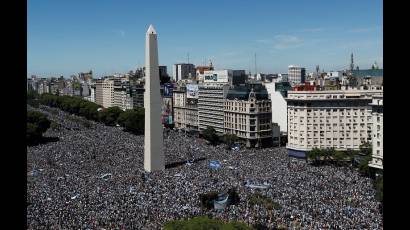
[66, 38]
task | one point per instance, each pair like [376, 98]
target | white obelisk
[153, 152]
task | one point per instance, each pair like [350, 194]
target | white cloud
[122, 33]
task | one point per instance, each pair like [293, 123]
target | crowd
[93, 178]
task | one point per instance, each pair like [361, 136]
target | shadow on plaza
[42, 140]
[179, 163]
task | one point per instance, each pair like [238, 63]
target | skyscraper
[153, 139]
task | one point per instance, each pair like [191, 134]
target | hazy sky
[107, 36]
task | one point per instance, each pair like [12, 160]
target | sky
[108, 37]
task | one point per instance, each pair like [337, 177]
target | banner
[192, 91]
[168, 89]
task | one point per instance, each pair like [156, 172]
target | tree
[204, 222]
[314, 155]
[365, 148]
[37, 124]
[210, 135]
[230, 139]
[110, 115]
[132, 120]
[339, 157]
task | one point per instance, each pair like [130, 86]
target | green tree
[37, 124]
[315, 155]
[230, 139]
[365, 148]
[204, 223]
[133, 120]
[210, 135]
[110, 115]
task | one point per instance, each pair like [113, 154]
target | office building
[123, 96]
[296, 75]
[340, 119]
[377, 132]
[99, 91]
[137, 92]
[183, 71]
[211, 98]
[247, 114]
[185, 101]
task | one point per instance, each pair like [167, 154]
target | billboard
[191, 91]
[167, 110]
[216, 76]
[168, 88]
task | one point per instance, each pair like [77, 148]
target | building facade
[325, 119]
[377, 130]
[183, 71]
[99, 91]
[185, 110]
[247, 114]
[296, 75]
[278, 105]
[211, 98]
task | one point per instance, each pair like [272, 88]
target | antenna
[256, 71]
[351, 62]
[188, 57]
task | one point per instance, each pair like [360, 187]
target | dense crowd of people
[93, 178]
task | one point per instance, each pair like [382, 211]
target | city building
[99, 91]
[377, 132]
[227, 76]
[247, 114]
[340, 119]
[201, 69]
[296, 75]
[186, 107]
[137, 92]
[86, 77]
[108, 91]
[368, 77]
[276, 134]
[123, 96]
[211, 98]
[183, 71]
[277, 95]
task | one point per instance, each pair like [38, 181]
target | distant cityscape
[335, 109]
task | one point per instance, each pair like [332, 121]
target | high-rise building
[183, 71]
[340, 119]
[227, 76]
[138, 95]
[108, 91]
[211, 98]
[99, 91]
[247, 114]
[296, 75]
[377, 132]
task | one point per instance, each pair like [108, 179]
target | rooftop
[241, 92]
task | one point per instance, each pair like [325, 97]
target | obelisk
[153, 139]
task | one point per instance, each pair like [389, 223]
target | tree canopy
[37, 124]
[205, 223]
[210, 135]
